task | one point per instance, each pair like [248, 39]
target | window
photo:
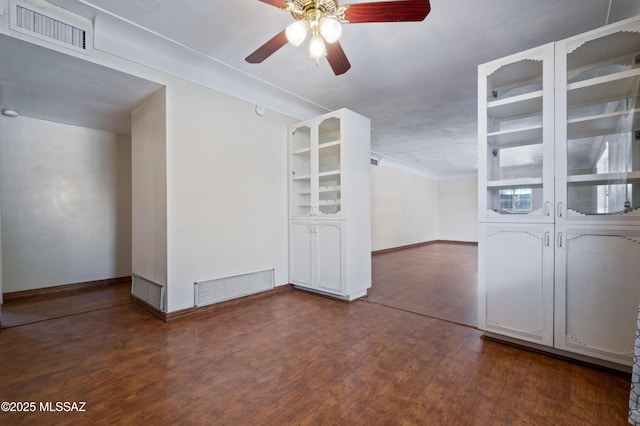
[515, 200]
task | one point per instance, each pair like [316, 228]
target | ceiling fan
[322, 18]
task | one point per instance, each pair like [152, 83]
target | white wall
[410, 206]
[404, 207]
[66, 203]
[226, 180]
[458, 209]
[226, 186]
[149, 188]
[227, 190]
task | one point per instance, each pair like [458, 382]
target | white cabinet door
[597, 151]
[301, 162]
[317, 255]
[316, 155]
[597, 290]
[330, 268]
[516, 137]
[301, 255]
[515, 281]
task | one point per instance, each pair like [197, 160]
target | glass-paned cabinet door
[301, 161]
[515, 120]
[598, 140]
[329, 172]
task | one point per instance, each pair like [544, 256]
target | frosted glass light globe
[317, 48]
[330, 29]
[297, 32]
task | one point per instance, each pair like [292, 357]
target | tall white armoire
[559, 191]
[330, 204]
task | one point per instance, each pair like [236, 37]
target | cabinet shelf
[328, 144]
[516, 137]
[301, 177]
[323, 203]
[607, 88]
[329, 189]
[322, 189]
[604, 179]
[516, 106]
[302, 151]
[515, 183]
[329, 203]
[329, 173]
[602, 124]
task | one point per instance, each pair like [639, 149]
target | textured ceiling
[84, 94]
[416, 81]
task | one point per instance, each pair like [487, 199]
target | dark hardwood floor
[438, 280]
[45, 307]
[294, 358]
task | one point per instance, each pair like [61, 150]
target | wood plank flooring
[41, 308]
[293, 358]
[438, 280]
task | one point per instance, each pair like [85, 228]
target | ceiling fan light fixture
[297, 32]
[330, 29]
[323, 19]
[317, 48]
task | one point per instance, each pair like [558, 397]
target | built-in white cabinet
[597, 290]
[559, 246]
[516, 289]
[330, 204]
[317, 255]
[303, 248]
[598, 115]
[516, 137]
[316, 174]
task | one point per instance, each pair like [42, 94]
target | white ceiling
[416, 81]
[84, 94]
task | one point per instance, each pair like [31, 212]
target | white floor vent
[150, 292]
[221, 289]
[52, 24]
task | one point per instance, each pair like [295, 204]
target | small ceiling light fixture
[330, 29]
[317, 48]
[10, 113]
[297, 32]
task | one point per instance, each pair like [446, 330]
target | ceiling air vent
[52, 24]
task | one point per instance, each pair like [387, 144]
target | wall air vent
[150, 292]
[52, 24]
[227, 288]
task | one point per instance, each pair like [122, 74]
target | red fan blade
[282, 4]
[337, 59]
[388, 11]
[267, 49]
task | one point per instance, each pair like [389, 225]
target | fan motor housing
[302, 9]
